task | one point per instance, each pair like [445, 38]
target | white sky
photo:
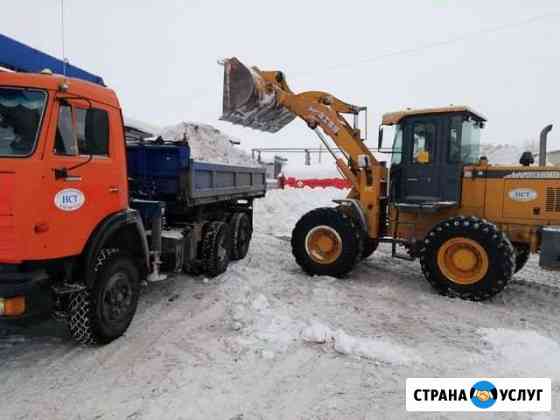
[160, 56]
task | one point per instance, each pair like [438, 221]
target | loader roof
[392, 118]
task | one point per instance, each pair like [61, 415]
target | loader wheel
[327, 242]
[467, 257]
[216, 248]
[103, 313]
[370, 246]
[522, 254]
[241, 232]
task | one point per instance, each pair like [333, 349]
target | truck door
[419, 172]
[85, 174]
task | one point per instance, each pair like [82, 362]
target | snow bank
[524, 352]
[281, 210]
[501, 154]
[208, 143]
[367, 348]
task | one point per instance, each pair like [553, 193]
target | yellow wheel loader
[471, 224]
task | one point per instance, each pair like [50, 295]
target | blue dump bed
[167, 173]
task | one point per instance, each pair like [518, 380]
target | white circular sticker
[69, 199]
[523, 194]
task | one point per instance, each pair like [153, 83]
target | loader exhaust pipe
[542, 146]
[248, 101]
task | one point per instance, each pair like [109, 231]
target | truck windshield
[21, 111]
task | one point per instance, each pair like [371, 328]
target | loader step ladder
[396, 241]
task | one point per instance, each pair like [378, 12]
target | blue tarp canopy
[19, 57]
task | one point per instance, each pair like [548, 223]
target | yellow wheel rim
[463, 261]
[323, 244]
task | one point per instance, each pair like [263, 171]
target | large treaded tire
[87, 321]
[241, 232]
[216, 248]
[522, 254]
[370, 246]
[500, 252]
[347, 229]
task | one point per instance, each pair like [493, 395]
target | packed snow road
[264, 341]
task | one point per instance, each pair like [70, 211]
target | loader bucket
[246, 102]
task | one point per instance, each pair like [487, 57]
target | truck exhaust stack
[249, 101]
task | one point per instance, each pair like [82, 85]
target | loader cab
[430, 149]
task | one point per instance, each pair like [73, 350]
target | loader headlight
[12, 306]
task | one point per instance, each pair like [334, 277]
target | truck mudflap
[550, 248]
[24, 295]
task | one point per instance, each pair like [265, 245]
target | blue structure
[19, 57]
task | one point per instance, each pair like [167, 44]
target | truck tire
[216, 248]
[467, 257]
[241, 232]
[327, 242]
[522, 254]
[103, 313]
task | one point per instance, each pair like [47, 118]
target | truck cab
[62, 161]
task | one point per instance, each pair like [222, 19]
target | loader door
[420, 169]
[430, 166]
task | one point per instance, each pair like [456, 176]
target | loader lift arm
[264, 101]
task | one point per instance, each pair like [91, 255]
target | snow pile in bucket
[208, 144]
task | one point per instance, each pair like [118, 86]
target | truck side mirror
[380, 138]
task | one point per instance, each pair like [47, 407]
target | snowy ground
[264, 341]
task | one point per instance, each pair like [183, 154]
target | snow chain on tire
[214, 263]
[80, 309]
[500, 252]
[238, 222]
[79, 320]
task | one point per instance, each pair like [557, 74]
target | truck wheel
[522, 254]
[327, 242]
[467, 257]
[103, 313]
[241, 232]
[216, 248]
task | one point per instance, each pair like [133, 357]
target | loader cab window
[464, 140]
[470, 141]
[424, 136]
[454, 149]
[21, 111]
[396, 157]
